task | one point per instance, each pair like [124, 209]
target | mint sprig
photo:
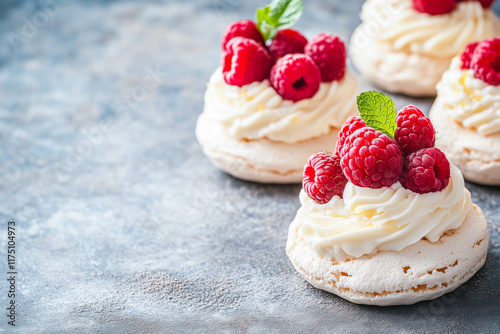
[280, 14]
[378, 111]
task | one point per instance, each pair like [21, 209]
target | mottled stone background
[123, 225]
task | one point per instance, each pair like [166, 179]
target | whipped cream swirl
[470, 101]
[387, 219]
[398, 24]
[256, 111]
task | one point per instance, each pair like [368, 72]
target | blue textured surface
[133, 230]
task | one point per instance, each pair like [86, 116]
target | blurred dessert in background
[276, 99]
[466, 113]
[404, 46]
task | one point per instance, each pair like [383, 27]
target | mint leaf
[280, 14]
[378, 111]
[286, 12]
[263, 20]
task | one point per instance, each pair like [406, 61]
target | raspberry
[244, 62]
[414, 131]
[486, 61]
[323, 177]
[295, 77]
[425, 171]
[243, 28]
[372, 159]
[352, 124]
[285, 42]
[434, 7]
[484, 3]
[466, 56]
[328, 52]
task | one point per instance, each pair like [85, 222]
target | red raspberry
[244, 62]
[372, 159]
[243, 28]
[414, 131]
[486, 61]
[425, 171]
[466, 56]
[352, 124]
[285, 42]
[434, 7]
[328, 52]
[295, 77]
[484, 3]
[323, 177]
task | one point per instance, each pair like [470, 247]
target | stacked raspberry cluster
[438, 7]
[370, 158]
[484, 59]
[294, 65]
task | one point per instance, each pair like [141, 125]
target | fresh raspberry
[434, 7]
[285, 42]
[372, 159]
[352, 124]
[243, 28]
[244, 62]
[323, 177]
[328, 52]
[413, 130]
[466, 56]
[486, 61]
[484, 3]
[295, 77]
[425, 171]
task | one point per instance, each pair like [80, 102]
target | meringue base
[259, 160]
[477, 156]
[419, 272]
[395, 71]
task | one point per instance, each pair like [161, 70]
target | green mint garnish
[378, 111]
[281, 14]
